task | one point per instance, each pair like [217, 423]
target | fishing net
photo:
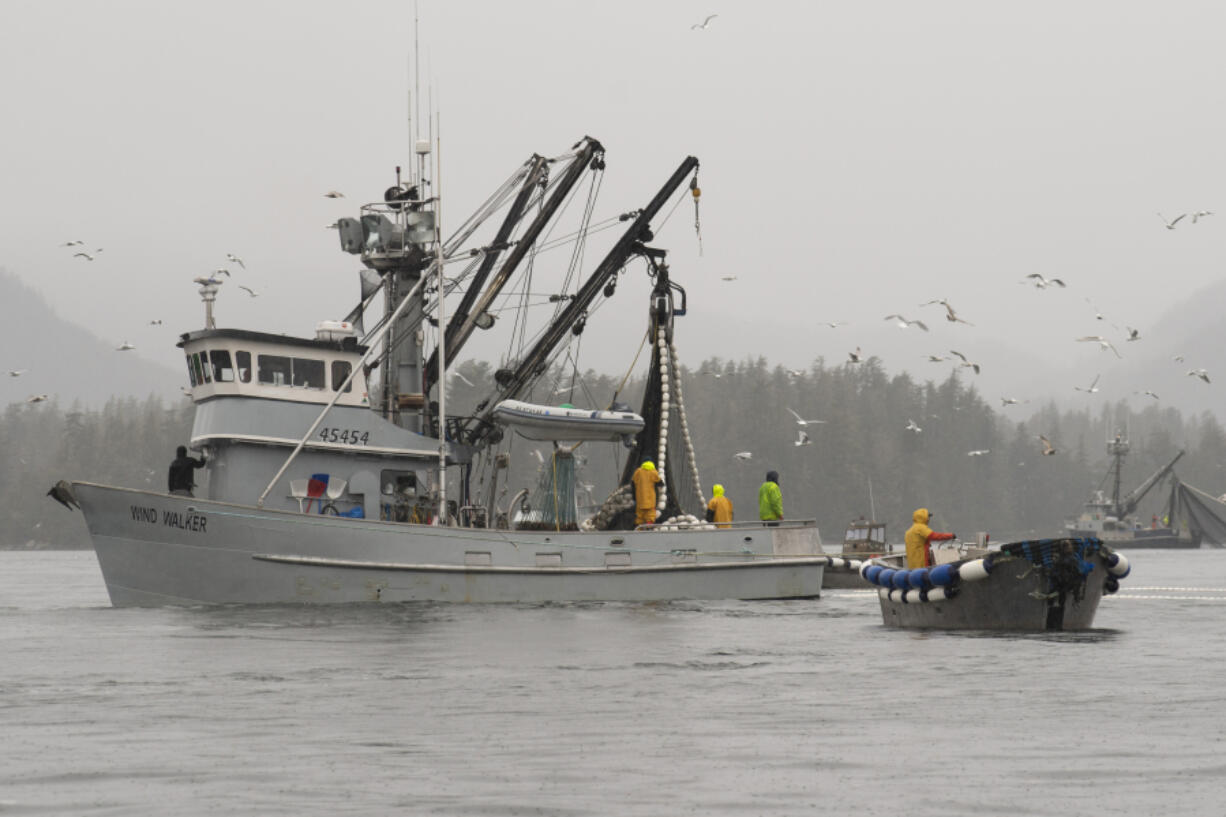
[553, 503]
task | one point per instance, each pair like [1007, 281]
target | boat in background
[863, 540]
[1112, 520]
[1033, 586]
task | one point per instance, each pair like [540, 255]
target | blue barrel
[942, 575]
[872, 572]
[901, 580]
[919, 578]
[885, 578]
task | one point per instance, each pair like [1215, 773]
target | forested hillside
[863, 458]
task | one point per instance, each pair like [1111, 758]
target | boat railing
[748, 525]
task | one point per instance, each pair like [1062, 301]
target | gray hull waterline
[158, 549]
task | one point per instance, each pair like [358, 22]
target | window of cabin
[204, 367]
[340, 370]
[308, 374]
[223, 372]
[196, 368]
[243, 359]
[191, 372]
[273, 370]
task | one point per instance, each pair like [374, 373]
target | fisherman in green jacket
[770, 499]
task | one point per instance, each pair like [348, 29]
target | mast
[588, 152]
[513, 381]
[453, 338]
[1117, 448]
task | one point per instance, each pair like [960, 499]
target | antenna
[872, 509]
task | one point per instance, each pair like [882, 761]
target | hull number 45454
[350, 436]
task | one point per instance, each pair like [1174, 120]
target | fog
[858, 160]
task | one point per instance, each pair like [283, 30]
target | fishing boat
[335, 474]
[863, 540]
[1113, 520]
[1039, 585]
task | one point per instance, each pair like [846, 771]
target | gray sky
[858, 159]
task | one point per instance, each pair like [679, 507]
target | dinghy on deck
[537, 422]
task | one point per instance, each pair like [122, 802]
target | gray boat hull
[156, 549]
[1026, 586]
[1010, 599]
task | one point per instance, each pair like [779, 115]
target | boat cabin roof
[240, 362]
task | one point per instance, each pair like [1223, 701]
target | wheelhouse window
[191, 371]
[204, 367]
[340, 371]
[223, 372]
[274, 370]
[278, 370]
[308, 374]
[243, 359]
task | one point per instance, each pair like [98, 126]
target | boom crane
[512, 381]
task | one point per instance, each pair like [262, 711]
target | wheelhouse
[236, 362]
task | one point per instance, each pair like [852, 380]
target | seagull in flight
[950, 316]
[800, 421]
[156, 322]
[1133, 334]
[1093, 387]
[937, 358]
[795, 373]
[462, 378]
[37, 398]
[17, 372]
[84, 255]
[1011, 401]
[124, 347]
[1201, 373]
[1201, 214]
[73, 244]
[834, 324]
[856, 356]
[965, 362]
[904, 323]
[978, 452]
[716, 375]
[222, 271]
[1102, 342]
[1170, 225]
[743, 456]
[802, 438]
[912, 426]
[1048, 449]
[703, 25]
[234, 259]
[249, 291]
[1149, 393]
[1043, 283]
[727, 278]
[1177, 358]
[332, 194]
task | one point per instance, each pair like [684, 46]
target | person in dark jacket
[770, 499]
[181, 480]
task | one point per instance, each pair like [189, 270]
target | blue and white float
[1047, 584]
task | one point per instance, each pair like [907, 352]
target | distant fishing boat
[1046, 584]
[1113, 519]
[862, 540]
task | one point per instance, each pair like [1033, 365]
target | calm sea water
[607, 709]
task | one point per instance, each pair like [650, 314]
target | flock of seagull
[1035, 279]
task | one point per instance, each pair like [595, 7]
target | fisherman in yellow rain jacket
[719, 509]
[918, 537]
[645, 479]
